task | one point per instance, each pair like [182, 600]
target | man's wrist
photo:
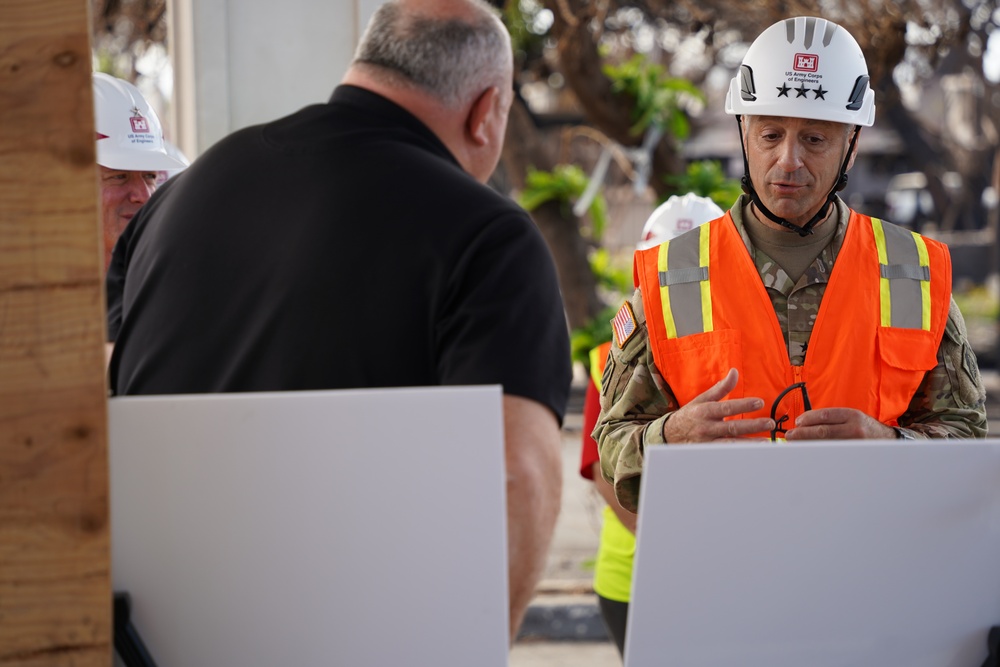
[663, 428]
[656, 431]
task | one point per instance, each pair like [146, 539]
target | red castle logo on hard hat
[139, 124]
[806, 62]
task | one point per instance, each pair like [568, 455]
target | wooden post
[55, 593]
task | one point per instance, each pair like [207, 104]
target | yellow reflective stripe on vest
[905, 277]
[597, 365]
[706, 287]
[685, 293]
[925, 285]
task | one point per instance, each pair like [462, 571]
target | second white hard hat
[129, 134]
[675, 216]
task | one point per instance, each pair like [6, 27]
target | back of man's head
[451, 49]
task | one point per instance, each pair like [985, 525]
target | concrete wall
[238, 63]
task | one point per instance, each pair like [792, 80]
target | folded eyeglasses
[780, 421]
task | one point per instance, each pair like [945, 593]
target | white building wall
[242, 62]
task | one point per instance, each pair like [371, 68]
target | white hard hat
[804, 67]
[129, 134]
[675, 216]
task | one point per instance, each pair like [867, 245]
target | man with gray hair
[355, 244]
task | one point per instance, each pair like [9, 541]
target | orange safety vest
[877, 332]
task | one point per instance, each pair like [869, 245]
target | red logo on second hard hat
[139, 124]
[683, 224]
[806, 62]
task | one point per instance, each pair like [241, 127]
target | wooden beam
[55, 592]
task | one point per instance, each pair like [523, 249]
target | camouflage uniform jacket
[635, 400]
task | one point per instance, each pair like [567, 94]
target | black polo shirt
[339, 247]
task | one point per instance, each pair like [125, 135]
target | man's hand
[838, 424]
[702, 420]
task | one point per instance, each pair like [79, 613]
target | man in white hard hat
[616, 549]
[131, 153]
[791, 315]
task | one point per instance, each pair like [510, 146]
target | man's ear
[479, 115]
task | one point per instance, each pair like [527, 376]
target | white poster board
[362, 527]
[826, 554]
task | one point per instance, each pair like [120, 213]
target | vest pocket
[907, 355]
[692, 364]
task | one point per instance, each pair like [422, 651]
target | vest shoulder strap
[907, 285]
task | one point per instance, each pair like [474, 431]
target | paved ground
[563, 627]
[564, 654]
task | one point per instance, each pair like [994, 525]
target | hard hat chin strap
[806, 229]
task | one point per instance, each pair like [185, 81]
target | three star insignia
[802, 91]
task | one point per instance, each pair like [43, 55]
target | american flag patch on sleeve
[624, 324]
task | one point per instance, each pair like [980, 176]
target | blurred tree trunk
[580, 63]
[967, 146]
[561, 230]
[576, 31]
[529, 146]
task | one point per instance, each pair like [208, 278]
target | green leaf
[657, 98]
[564, 184]
[706, 178]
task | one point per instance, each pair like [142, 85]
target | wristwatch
[902, 434]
